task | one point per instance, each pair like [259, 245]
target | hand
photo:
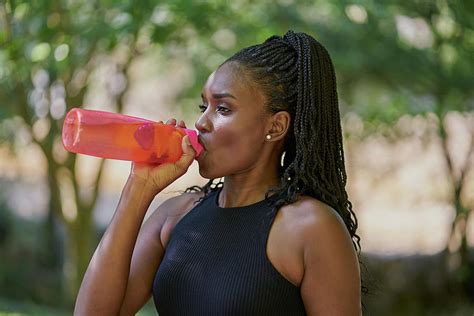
[157, 177]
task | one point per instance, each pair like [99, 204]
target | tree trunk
[80, 247]
[457, 248]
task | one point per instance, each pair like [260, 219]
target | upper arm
[147, 255]
[331, 281]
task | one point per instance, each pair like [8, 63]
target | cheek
[237, 147]
[233, 150]
[237, 138]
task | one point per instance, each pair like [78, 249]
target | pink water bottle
[123, 137]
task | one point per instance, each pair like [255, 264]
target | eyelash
[203, 108]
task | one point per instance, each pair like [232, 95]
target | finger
[181, 124]
[171, 121]
[188, 154]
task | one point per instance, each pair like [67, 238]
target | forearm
[105, 282]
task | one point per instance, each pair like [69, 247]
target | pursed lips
[203, 144]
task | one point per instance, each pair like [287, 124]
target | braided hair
[296, 75]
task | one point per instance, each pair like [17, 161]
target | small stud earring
[268, 136]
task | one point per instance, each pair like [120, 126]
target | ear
[278, 125]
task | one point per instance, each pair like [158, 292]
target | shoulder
[317, 230]
[180, 204]
[172, 211]
[306, 232]
[328, 257]
[310, 217]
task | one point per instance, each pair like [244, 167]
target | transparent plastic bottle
[123, 137]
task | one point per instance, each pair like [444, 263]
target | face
[232, 126]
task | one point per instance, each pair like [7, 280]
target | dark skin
[308, 243]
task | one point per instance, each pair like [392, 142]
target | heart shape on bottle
[145, 135]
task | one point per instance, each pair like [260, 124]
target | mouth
[201, 142]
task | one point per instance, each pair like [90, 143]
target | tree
[419, 53]
[50, 50]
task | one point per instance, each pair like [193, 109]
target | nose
[203, 124]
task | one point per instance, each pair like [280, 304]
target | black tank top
[215, 263]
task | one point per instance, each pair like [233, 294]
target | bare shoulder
[307, 226]
[180, 204]
[309, 215]
[172, 211]
[316, 227]
[169, 212]
[328, 257]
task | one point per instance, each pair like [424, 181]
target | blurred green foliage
[391, 57]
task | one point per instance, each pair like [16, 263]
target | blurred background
[405, 74]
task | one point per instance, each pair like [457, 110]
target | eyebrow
[220, 95]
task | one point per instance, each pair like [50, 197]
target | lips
[203, 144]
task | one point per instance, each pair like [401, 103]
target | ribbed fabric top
[216, 264]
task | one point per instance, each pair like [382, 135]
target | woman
[277, 237]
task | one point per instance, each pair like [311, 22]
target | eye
[202, 108]
[219, 108]
[223, 109]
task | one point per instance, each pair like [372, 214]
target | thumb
[188, 153]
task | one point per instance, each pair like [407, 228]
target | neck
[242, 190]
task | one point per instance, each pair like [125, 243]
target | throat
[229, 200]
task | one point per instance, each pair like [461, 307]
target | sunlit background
[405, 81]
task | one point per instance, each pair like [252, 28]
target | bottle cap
[194, 140]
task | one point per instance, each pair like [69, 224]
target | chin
[208, 173]
[204, 172]
[208, 176]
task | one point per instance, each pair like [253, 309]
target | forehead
[232, 79]
[228, 78]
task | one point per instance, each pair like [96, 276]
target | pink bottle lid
[193, 137]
